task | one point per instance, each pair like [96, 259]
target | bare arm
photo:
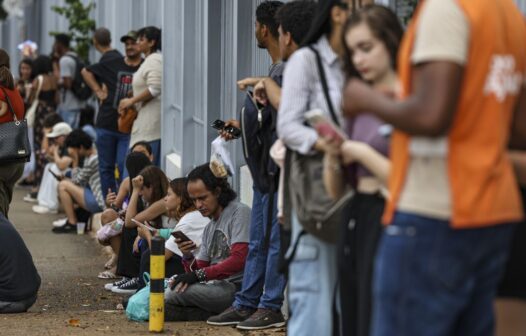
[67, 82]
[368, 157]
[518, 131]
[333, 176]
[91, 81]
[518, 159]
[268, 91]
[428, 111]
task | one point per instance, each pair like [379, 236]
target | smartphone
[57, 177]
[143, 225]
[220, 125]
[180, 235]
[325, 127]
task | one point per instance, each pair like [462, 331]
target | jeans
[72, 117]
[432, 280]
[156, 151]
[112, 148]
[261, 267]
[214, 296]
[312, 285]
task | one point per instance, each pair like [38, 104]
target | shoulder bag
[316, 211]
[14, 140]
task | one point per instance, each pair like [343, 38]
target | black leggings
[128, 263]
[359, 236]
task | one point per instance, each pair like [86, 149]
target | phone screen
[181, 236]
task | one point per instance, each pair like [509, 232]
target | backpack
[80, 89]
[258, 127]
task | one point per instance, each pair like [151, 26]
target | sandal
[107, 275]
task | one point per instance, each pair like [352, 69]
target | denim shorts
[91, 203]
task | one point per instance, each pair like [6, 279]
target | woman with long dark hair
[147, 92]
[371, 37]
[44, 91]
[313, 272]
[9, 172]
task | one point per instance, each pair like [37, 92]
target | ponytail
[6, 78]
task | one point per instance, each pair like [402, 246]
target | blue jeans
[261, 267]
[72, 117]
[312, 285]
[432, 280]
[156, 151]
[112, 148]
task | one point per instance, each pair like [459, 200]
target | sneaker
[60, 222]
[231, 316]
[263, 319]
[40, 209]
[66, 228]
[109, 286]
[129, 287]
[31, 197]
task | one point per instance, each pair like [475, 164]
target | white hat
[59, 129]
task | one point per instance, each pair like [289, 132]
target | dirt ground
[72, 301]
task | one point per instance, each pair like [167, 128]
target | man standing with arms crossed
[111, 80]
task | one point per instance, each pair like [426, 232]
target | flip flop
[107, 275]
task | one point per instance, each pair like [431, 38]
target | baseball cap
[59, 129]
[132, 34]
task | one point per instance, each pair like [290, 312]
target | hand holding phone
[143, 225]
[220, 125]
[325, 127]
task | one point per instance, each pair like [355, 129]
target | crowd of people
[388, 165]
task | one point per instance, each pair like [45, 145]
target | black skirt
[360, 232]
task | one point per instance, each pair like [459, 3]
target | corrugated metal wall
[207, 46]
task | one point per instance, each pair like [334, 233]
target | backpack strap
[324, 85]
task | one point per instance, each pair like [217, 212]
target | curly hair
[265, 13]
[178, 186]
[225, 193]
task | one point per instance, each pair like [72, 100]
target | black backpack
[259, 134]
[258, 126]
[80, 89]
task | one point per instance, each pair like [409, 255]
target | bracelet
[201, 275]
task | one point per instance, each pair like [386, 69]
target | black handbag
[14, 139]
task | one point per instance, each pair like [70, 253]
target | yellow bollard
[156, 323]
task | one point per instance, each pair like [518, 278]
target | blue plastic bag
[138, 308]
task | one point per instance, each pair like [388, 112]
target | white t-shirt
[192, 224]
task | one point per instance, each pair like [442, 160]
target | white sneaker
[30, 198]
[40, 209]
[60, 222]
[109, 286]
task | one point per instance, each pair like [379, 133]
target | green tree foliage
[80, 24]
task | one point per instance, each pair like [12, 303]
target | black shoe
[66, 228]
[173, 313]
[231, 316]
[129, 287]
[263, 319]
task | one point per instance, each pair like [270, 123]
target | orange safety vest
[484, 190]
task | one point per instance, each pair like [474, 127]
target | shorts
[90, 201]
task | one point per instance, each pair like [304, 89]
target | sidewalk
[72, 301]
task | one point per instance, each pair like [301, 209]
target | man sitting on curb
[19, 279]
[214, 275]
[84, 187]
